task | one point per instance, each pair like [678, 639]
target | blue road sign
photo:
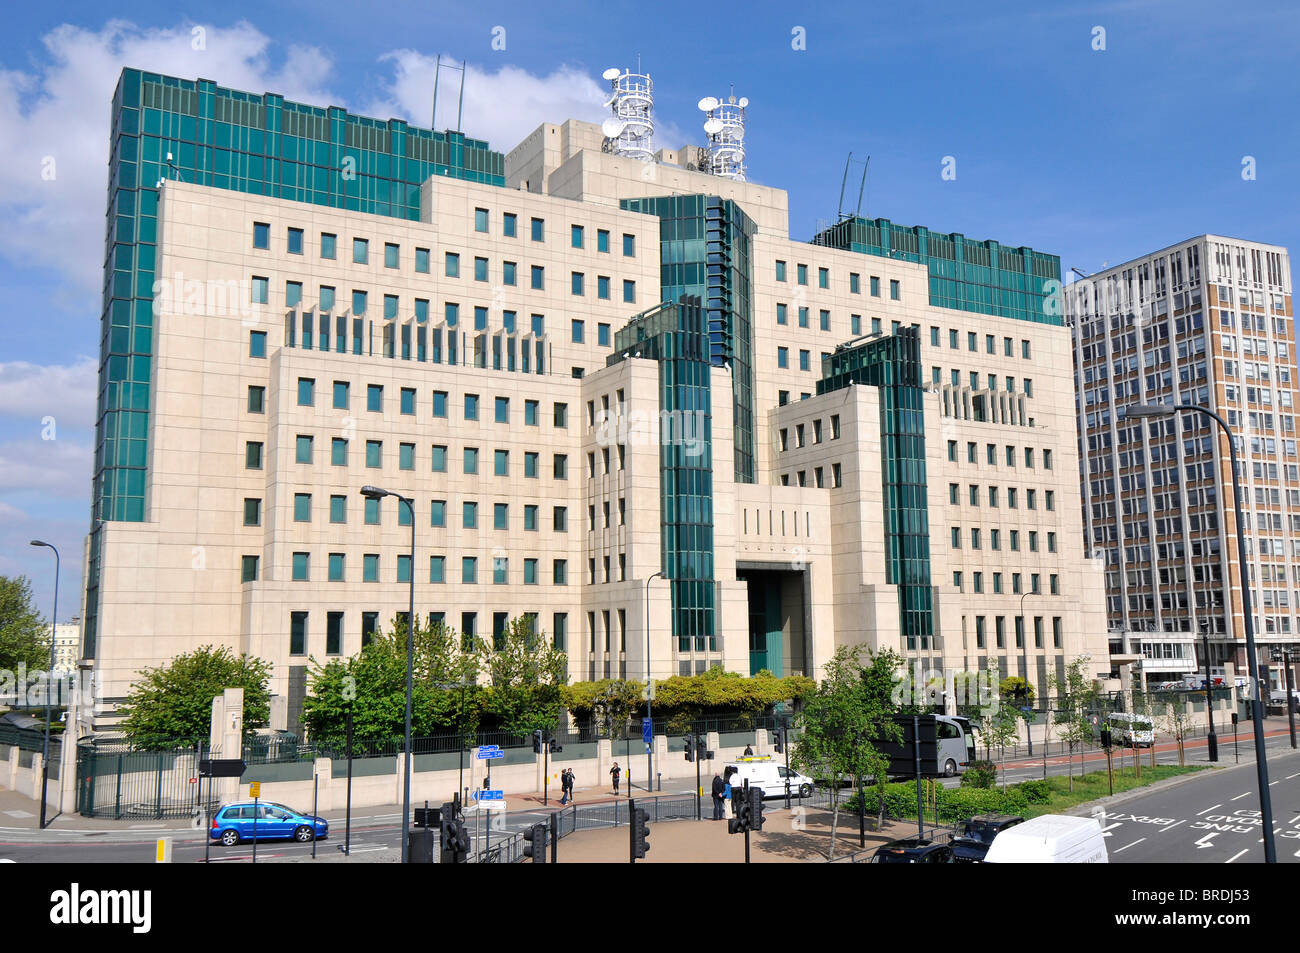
[497, 794]
[489, 753]
[647, 730]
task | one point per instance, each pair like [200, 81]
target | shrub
[980, 774]
[1035, 792]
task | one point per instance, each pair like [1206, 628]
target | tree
[173, 702]
[24, 635]
[1077, 699]
[526, 674]
[842, 721]
[1170, 711]
[373, 685]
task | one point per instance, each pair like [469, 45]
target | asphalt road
[1213, 818]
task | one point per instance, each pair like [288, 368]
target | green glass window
[782, 316]
[893, 289]
[530, 464]
[370, 567]
[500, 571]
[875, 289]
[471, 406]
[256, 399]
[334, 633]
[509, 273]
[328, 245]
[358, 303]
[439, 458]
[530, 413]
[248, 569]
[438, 512]
[576, 283]
[422, 260]
[602, 240]
[297, 633]
[452, 265]
[629, 245]
[855, 283]
[629, 291]
[261, 235]
[530, 518]
[339, 451]
[257, 344]
[304, 448]
[374, 453]
[825, 317]
[538, 278]
[801, 272]
[372, 512]
[560, 572]
[392, 255]
[390, 307]
[302, 507]
[326, 298]
[468, 570]
[403, 568]
[480, 269]
[306, 392]
[252, 512]
[295, 241]
[360, 251]
[501, 516]
[803, 317]
[338, 509]
[440, 403]
[530, 572]
[577, 331]
[602, 335]
[561, 519]
[406, 456]
[480, 220]
[301, 567]
[437, 569]
[501, 463]
[509, 221]
[292, 294]
[469, 515]
[503, 410]
[823, 278]
[336, 567]
[252, 455]
[471, 460]
[539, 230]
[780, 270]
[855, 324]
[575, 236]
[408, 400]
[783, 357]
[375, 398]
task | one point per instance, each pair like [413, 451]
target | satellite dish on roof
[713, 126]
[744, 101]
[708, 104]
[612, 73]
[612, 127]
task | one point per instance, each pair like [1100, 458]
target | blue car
[234, 823]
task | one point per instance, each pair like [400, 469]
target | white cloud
[56, 120]
[501, 107]
[53, 468]
[65, 392]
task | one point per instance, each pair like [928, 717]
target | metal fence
[29, 740]
[509, 848]
[122, 780]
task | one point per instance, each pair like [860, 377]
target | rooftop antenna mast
[857, 209]
[460, 103]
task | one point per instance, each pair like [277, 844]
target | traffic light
[778, 741]
[690, 748]
[537, 741]
[755, 808]
[535, 846]
[742, 808]
[550, 743]
[454, 838]
[641, 832]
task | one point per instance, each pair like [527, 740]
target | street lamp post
[1261, 762]
[1024, 655]
[49, 682]
[375, 493]
[649, 754]
[1211, 740]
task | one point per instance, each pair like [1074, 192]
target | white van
[1129, 729]
[763, 772]
[1050, 839]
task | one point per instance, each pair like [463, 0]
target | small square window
[261, 235]
[481, 220]
[328, 246]
[452, 266]
[256, 399]
[422, 260]
[360, 251]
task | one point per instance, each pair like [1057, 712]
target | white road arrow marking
[1109, 827]
[1205, 841]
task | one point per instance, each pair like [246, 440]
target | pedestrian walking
[564, 786]
[719, 787]
[568, 785]
[614, 773]
[749, 752]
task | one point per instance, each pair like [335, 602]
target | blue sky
[1095, 155]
